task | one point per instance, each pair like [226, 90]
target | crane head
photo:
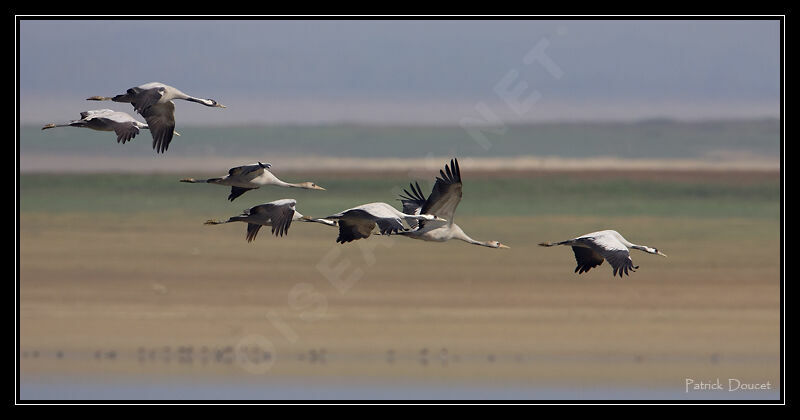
[311, 186]
[214, 104]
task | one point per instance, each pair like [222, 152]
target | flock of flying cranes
[428, 219]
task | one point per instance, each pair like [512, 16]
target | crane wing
[413, 202]
[358, 222]
[125, 130]
[94, 113]
[255, 170]
[612, 250]
[389, 226]
[279, 214]
[586, 259]
[353, 229]
[142, 99]
[446, 193]
[252, 231]
[237, 191]
[161, 121]
[621, 261]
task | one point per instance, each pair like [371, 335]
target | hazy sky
[406, 71]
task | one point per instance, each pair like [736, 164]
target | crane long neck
[631, 244]
[459, 234]
[287, 184]
[184, 96]
[626, 242]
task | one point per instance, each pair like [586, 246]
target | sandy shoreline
[108, 298]
[174, 164]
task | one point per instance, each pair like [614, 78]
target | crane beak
[503, 246]
[317, 187]
[439, 219]
[661, 253]
[220, 106]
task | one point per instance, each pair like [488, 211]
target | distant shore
[38, 163]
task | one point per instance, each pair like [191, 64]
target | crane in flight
[278, 214]
[154, 102]
[121, 123]
[591, 249]
[359, 222]
[249, 177]
[442, 202]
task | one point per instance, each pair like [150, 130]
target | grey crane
[442, 202]
[249, 177]
[591, 249]
[154, 102]
[279, 214]
[359, 222]
[121, 123]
